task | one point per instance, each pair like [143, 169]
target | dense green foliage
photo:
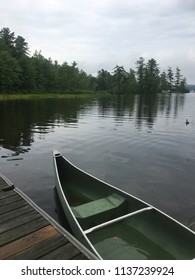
[20, 72]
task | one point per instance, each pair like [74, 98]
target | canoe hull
[115, 225]
[74, 225]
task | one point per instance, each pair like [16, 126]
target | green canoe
[114, 224]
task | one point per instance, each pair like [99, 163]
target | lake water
[140, 144]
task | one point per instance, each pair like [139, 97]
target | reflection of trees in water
[14, 126]
[147, 109]
[22, 119]
[150, 106]
[169, 103]
[117, 106]
[143, 108]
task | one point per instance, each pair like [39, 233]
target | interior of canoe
[146, 235]
[120, 226]
[93, 202]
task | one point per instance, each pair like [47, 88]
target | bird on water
[187, 122]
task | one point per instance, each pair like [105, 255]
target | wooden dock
[28, 233]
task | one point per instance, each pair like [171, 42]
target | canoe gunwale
[117, 219]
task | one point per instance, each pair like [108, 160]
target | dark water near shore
[139, 144]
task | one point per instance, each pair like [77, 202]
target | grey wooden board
[22, 230]
[3, 184]
[9, 200]
[24, 219]
[38, 250]
[65, 252]
[15, 213]
[12, 206]
[6, 194]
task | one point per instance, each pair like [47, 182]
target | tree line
[20, 72]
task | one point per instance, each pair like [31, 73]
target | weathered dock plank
[22, 230]
[15, 214]
[64, 252]
[24, 219]
[3, 183]
[13, 206]
[39, 249]
[6, 194]
[28, 233]
[9, 199]
[21, 244]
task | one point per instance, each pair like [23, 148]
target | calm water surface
[139, 144]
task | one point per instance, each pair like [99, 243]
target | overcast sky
[105, 33]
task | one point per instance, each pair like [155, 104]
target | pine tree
[170, 79]
[141, 74]
[164, 86]
[9, 38]
[20, 47]
[152, 78]
[119, 79]
[177, 79]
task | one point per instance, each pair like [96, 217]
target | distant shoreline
[26, 96]
[29, 96]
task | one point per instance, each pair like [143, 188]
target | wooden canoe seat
[100, 210]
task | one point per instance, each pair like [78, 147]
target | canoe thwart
[117, 219]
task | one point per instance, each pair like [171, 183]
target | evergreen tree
[131, 83]
[9, 38]
[119, 79]
[38, 62]
[103, 80]
[72, 77]
[164, 86]
[183, 86]
[20, 47]
[3, 46]
[63, 77]
[177, 79]
[152, 78]
[170, 79]
[92, 83]
[83, 81]
[141, 74]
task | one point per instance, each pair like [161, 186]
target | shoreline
[26, 96]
